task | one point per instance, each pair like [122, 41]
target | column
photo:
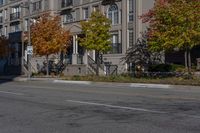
[74, 55]
[120, 41]
[85, 57]
[76, 43]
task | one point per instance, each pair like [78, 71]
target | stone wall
[72, 70]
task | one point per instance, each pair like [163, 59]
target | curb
[20, 79]
[133, 85]
[40, 79]
[151, 85]
[72, 82]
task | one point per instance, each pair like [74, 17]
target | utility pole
[29, 38]
[29, 46]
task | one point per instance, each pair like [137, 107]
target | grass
[127, 79]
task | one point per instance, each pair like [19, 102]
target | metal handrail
[91, 63]
[31, 65]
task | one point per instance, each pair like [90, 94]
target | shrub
[161, 68]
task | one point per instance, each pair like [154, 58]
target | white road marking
[13, 93]
[114, 106]
[131, 108]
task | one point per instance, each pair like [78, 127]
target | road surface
[47, 107]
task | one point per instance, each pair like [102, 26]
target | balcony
[1, 19]
[108, 2]
[14, 16]
[66, 4]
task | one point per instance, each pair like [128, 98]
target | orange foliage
[48, 36]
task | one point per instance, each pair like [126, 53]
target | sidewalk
[25, 78]
[13, 78]
[60, 81]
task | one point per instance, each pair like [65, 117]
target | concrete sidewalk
[60, 81]
[13, 78]
[25, 78]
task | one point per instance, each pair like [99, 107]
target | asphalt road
[46, 107]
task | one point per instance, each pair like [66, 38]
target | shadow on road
[10, 73]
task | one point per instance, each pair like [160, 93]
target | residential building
[124, 14]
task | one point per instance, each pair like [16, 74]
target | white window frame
[113, 14]
[85, 14]
[130, 12]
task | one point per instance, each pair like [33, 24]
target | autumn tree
[48, 37]
[96, 34]
[4, 47]
[174, 24]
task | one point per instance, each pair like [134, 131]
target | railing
[26, 66]
[92, 64]
[111, 69]
[108, 2]
[15, 16]
[66, 3]
[107, 68]
[100, 59]
[56, 68]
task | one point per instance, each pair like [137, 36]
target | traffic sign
[30, 50]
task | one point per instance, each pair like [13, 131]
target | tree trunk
[98, 63]
[189, 62]
[47, 68]
[186, 60]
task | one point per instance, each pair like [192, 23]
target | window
[85, 13]
[15, 13]
[37, 6]
[95, 8]
[1, 31]
[1, 16]
[67, 18]
[1, 2]
[131, 10]
[116, 47]
[130, 32]
[15, 9]
[26, 25]
[66, 3]
[113, 14]
[46, 4]
[6, 31]
[5, 13]
[15, 28]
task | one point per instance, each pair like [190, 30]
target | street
[49, 107]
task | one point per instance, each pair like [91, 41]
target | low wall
[72, 70]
